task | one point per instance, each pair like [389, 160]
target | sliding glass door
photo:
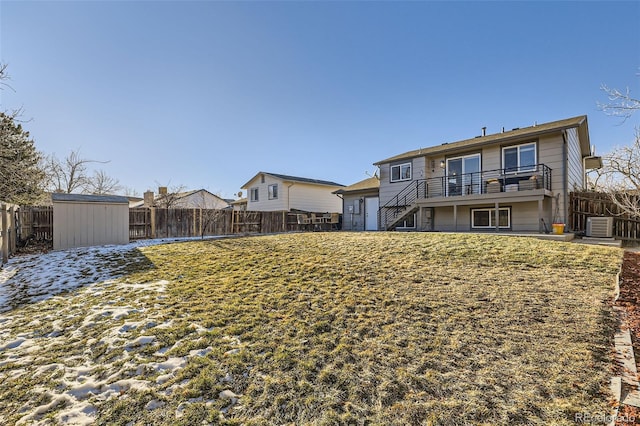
[463, 175]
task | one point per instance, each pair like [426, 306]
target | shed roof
[293, 179]
[515, 134]
[368, 184]
[86, 198]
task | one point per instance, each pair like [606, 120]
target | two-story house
[276, 192]
[517, 180]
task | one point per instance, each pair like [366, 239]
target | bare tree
[130, 192]
[170, 199]
[621, 103]
[68, 175]
[620, 175]
[208, 216]
[102, 184]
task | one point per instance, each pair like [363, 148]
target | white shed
[89, 220]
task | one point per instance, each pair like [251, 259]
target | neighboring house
[360, 205]
[523, 177]
[276, 192]
[199, 198]
[135, 201]
[239, 204]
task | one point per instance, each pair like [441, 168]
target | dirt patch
[630, 300]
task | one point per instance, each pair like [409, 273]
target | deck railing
[453, 185]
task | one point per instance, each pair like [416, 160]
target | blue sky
[205, 94]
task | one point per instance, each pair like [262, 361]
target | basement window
[485, 218]
[408, 223]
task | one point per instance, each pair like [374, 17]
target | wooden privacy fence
[8, 230]
[588, 204]
[195, 222]
[37, 223]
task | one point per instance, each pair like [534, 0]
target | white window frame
[492, 214]
[475, 189]
[400, 166]
[254, 194]
[519, 166]
[273, 191]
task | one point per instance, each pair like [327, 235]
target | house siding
[356, 221]
[552, 152]
[561, 149]
[389, 189]
[574, 158]
[264, 203]
[524, 217]
[293, 196]
[314, 198]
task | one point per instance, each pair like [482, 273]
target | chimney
[148, 198]
[162, 190]
[484, 131]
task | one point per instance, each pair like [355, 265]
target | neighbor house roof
[515, 134]
[288, 178]
[368, 184]
[188, 193]
[86, 198]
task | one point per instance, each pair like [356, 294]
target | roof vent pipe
[484, 131]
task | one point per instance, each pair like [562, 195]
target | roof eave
[580, 122]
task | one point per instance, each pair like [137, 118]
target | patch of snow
[141, 341]
[13, 344]
[107, 364]
[83, 414]
[31, 278]
[154, 404]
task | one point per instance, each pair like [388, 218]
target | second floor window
[519, 158]
[400, 172]
[273, 192]
[254, 194]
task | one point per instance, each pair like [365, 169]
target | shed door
[371, 213]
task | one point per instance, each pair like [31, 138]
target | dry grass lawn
[336, 328]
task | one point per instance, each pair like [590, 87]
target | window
[254, 194]
[408, 223]
[273, 191]
[519, 158]
[485, 218]
[400, 172]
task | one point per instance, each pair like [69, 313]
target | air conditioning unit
[600, 227]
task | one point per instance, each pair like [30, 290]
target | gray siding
[524, 217]
[356, 221]
[564, 160]
[389, 189]
[574, 157]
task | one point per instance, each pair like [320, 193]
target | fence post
[152, 211]
[5, 237]
[13, 234]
